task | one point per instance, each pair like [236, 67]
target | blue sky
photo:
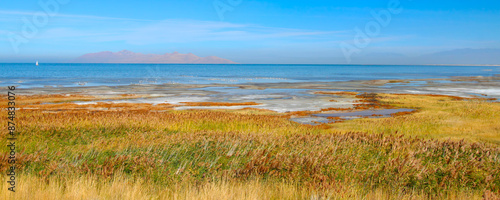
[280, 31]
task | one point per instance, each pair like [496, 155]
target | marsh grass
[120, 187]
[436, 116]
[62, 98]
[154, 152]
[219, 103]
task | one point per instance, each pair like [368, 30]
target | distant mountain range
[126, 56]
[454, 57]
[464, 56]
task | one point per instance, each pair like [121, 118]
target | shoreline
[397, 85]
[286, 97]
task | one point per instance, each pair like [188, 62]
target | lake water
[75, 75]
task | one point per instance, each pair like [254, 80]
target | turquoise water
[77, 75]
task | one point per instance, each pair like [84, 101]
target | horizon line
[353, 64]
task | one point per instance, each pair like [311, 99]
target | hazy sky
[279, 31]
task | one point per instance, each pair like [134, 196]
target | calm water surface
[74, 75]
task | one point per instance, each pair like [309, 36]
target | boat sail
[37, 63]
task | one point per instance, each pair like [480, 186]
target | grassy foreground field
[448, 149]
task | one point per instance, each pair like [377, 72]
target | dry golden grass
[340, 93]
[450, 97]
[336, 109]
[219, 104]
[98, 106]
[436, 116]
[144, 151]
[399, 81]
[120, 187]
[60, 98]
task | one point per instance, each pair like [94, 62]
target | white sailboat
[37, 63]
